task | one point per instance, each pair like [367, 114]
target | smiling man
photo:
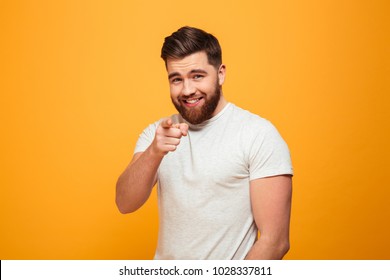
[223, 173]
[196, 87]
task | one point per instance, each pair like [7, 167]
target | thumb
[183, 128]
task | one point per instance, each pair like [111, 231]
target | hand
[168, 136]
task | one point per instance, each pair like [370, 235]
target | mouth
[192, 102]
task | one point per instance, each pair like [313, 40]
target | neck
[221, 104]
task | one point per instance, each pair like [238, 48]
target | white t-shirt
[203, 186]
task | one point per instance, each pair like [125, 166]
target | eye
[175, 80]
[197, 77]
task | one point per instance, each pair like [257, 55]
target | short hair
[188, 40]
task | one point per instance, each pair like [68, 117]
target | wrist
[154, 152]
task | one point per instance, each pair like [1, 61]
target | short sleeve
[146, 138]
[269, 154]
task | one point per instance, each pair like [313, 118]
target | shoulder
[255, 132]
[250, 121]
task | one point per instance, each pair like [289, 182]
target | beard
[205, 112]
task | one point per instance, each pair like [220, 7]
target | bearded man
[224, 175]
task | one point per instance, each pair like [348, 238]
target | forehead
[196, 60]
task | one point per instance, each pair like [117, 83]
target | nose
[188, 88]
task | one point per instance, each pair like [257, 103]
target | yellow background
[81, 79]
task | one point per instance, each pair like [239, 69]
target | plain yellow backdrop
[80, 80]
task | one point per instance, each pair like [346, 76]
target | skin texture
[194, 85]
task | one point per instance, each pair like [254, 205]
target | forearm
[135, 184]
[264, 249]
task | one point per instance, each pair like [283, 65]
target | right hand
[168, 136]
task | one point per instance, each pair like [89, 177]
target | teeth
[192, 101]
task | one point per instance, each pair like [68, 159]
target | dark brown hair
[188, 40]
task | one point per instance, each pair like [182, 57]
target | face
[195, 87]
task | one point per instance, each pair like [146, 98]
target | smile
[192, 101]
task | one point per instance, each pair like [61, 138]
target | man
[223, 173]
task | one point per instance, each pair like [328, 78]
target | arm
[135, 184]
[271, 206]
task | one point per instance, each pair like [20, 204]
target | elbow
[129, 199]
[124, 208]
[123, 202]
[284, 248]
[279, 247]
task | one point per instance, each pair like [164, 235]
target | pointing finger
[166, 123]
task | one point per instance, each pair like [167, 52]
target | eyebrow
[174, 74]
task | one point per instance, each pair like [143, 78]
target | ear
[221, 74]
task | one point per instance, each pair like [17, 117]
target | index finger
[166, 123]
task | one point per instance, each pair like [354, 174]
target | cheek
[210, 85]
[207, 88]
[174, 91]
